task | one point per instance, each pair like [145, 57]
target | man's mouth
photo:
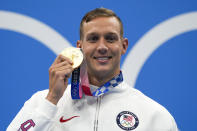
[102, 58]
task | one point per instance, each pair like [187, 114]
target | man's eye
[111, 38]
[93, 39]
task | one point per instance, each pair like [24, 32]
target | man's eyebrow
[92, 33]
[111, 33]
[95, 33]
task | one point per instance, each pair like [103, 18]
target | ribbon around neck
[80, 83]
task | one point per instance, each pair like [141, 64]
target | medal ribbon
[109, 85]
[76, 91]
[77, 86]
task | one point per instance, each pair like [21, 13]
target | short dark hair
[99, 12]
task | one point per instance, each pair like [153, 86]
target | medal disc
[74, 54]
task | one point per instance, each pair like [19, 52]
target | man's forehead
[102, 25]
[103, 33]
[103, 20]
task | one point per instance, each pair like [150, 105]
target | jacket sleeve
[174, 125]
[36, 115]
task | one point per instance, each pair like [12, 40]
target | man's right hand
[59, 72]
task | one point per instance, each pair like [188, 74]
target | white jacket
[123, 108]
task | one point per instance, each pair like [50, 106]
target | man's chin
[103, 69]
[103, 72]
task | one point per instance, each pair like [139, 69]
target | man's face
[103, 46]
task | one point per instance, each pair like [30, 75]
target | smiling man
[108, 103]
[103, 45]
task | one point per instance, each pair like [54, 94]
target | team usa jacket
[123, 108]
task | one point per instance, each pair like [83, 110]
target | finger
[64, 63]
[54, 71]
[64, 74]
[61, 58]
[61, 68]
[57, 60]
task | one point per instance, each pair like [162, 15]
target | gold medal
[74, 54]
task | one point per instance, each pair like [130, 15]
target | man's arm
[59, 73]
[38, 112]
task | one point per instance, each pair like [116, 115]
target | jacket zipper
[98, 103]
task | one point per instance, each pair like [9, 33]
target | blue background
[168, 76]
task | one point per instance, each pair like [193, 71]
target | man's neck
[100, 80]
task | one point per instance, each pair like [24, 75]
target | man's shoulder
[38, 96]
[147, 105]
[44, 93]
[145, 100]
[41, 93]
[160, 115]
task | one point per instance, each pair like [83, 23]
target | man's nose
[102, 46]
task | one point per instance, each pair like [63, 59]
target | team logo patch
[126, 120]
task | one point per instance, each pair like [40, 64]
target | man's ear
[125, 44]
[79, 44]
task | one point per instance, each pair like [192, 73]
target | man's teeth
[102, 58]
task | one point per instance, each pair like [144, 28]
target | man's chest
[99, 115]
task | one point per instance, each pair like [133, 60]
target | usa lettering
[27, 125]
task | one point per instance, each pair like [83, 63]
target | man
[109, 104]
